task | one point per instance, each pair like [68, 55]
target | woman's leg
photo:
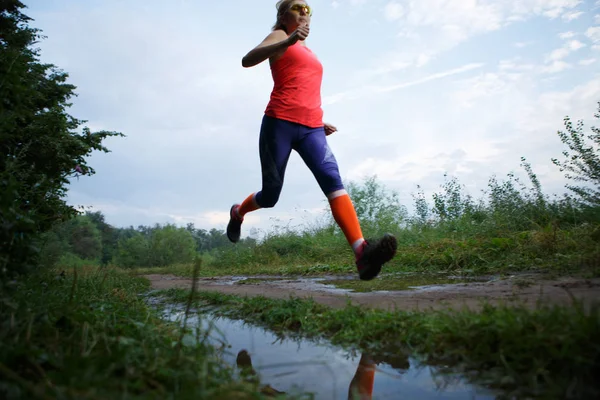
[345, 216]
[314, 150]
[275, 147]
[362, 383]
[370, 256]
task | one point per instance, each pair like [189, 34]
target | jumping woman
[293, 120]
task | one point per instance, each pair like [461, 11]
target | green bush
[162, 246]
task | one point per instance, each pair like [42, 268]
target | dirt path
[471, 295]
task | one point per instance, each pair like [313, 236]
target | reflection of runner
[244, 363]
[293, 120]
[361, 386]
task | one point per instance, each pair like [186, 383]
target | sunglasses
[302, 7]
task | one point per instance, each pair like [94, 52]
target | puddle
[420, 282]
[345, 284]
[296, 366]
[315, 284]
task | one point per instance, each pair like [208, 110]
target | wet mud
[401, 292]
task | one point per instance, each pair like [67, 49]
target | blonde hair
[282, 6]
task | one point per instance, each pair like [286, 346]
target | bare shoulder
[274, 37]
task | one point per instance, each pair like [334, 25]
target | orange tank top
[296, 95]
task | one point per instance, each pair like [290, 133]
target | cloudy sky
[416, 89]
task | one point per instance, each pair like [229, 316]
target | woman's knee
[331, 183]
[332, 194]
[268, 198]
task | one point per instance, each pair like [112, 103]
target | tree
[108, 234]
[133, 251]
[162, 246]
[452, 203]
[84, 238]
[422, 210]
[40, 148]
[582, 164]
[171, 245]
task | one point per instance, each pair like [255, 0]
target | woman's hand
[301, 33]
[329, 129]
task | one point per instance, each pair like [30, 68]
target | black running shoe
[373, 255]
[234, 225]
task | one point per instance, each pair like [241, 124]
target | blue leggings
[277, 139]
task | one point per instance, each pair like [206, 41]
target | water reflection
[360, 387]
[295, 366]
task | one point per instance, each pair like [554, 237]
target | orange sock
[366, 379]
[345, 215]
[248, 205]
[363, 381]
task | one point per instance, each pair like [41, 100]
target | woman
[293, 120]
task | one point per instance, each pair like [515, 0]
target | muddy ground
[526, 290]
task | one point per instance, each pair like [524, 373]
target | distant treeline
[89, 238]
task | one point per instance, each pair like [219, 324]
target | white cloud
[368, 90]
[393, 11]
[593, 33]
[555, 67]
[521, 45]
[575, 45]
[484, 85]
[511, 78]
[566, 35]
[391, 65]
[523, 123]
[587, 61]
[440, 25]
[473, 16]
[431, 77]
[417, 168]
[422, 59]
[513, 65]
[549, 107]
[572, 15]
[555, 57]
[558, 54]
[597, 19]
[134, 215]
[338, 97]
[555, 8]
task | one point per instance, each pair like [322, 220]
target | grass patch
[90, 335]
[547, 352]
[207, 271]
[569, 251]
[476, 250]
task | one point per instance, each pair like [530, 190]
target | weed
[90, 335]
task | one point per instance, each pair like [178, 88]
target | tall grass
[511, 227]
[89, 335]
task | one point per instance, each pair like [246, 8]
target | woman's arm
[274, 44]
